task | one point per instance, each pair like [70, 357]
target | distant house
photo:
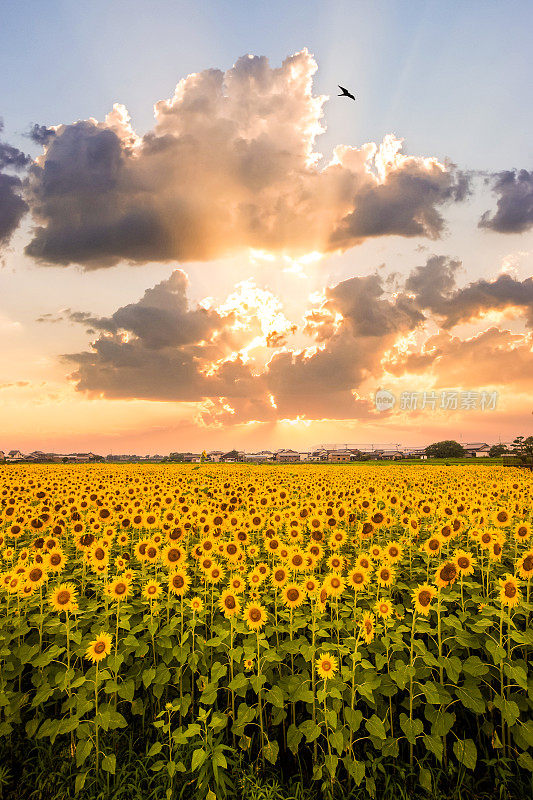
[476, 449]
[192, 458]
[391, 455]
[318, 455]
[2, 455]
[415, 452]
[260, 457]
[14, 455]
[340, 455]
[215, 455]
[287, 456]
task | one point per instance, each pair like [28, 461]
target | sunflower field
[338, 624]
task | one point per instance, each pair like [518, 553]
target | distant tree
[523, 447]
[498, 450]
[203, 457]
[445, 449]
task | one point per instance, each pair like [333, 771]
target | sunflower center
[255, 615]
[293, 594]
[424, 598]
[230, 602]
[510, 590]
[463, 562]
[99, 647]
[63, 597]
[448, 572]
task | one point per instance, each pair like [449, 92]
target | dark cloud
[40, 134]
[229, 164]
[435, 290]
[160, 349]
[514, 209]
[12, 206]
[406, 204]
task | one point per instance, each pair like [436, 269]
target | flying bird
[345, 93]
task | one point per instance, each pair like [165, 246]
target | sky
[203, 246]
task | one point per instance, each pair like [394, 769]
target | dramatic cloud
[12, 206]
[433, 287]
[492, 358]
[229, 164]
[40, 134]
[514, 209]
[161, 349]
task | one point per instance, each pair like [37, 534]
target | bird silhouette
[345, 92]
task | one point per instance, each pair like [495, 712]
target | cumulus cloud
[492, 358]
[433, 286]
[514, 209]
[41, 134]
[12, 206]
[229, 164]
[159, 348]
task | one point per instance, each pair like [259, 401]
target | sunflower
[119, 589]
[357, 579]
[522, 532]
[495, 551]
[99, 555]
[151, 590]
[178, 582]
[446, 574]
[196, 605]
[296, 560]
[237, 584]
[229, 603]
[385, 575]
[311, 586]
[255, 616]
[524, 565]
[279, 576]
[383, 608]
[422, 597]
[432, 545]
[376, 552]
[510, 595]
[63, 598]
[364, 562]
[464, 562]
[99, 648]
[36, 576]
[335, 585]
[336, 563]
[293, 595]
[367, 627]
[326, 666]
[216, 574]
[501, 518]
[393, 552]
[55, 560]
